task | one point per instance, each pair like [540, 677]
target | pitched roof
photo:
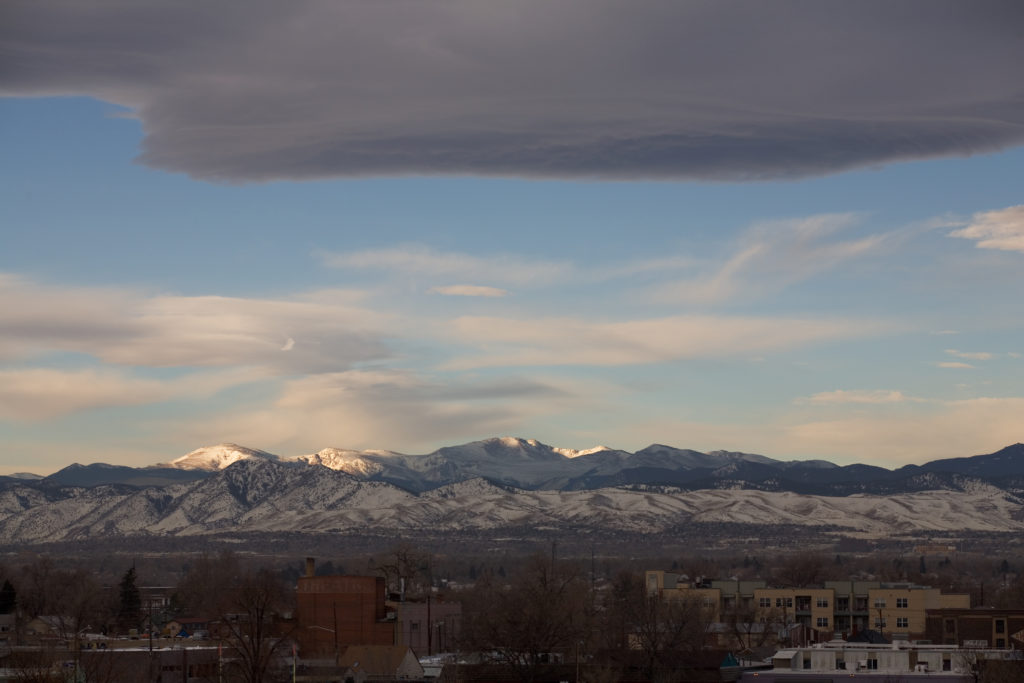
[375, 660]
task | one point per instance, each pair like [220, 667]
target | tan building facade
[898, 610]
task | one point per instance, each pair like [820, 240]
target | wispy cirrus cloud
[313, 332]
[420, 260]
[508, 270]
[576, 341]
[971, 355]
[865, 397]
[1002, 229]
[469, 290]
[773, 255]
[954, 365]
[43, 393]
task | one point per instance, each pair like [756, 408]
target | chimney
[310, 566]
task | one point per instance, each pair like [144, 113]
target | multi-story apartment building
[896, 609]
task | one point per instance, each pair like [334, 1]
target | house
[379, 663]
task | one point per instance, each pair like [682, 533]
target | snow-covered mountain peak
[213, 458]
[343, 460]
[573, 453]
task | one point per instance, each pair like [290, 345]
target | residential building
[980, 627]
[841, 607]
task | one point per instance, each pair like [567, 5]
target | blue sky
[195, 249]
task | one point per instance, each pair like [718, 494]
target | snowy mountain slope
[261, 495]
[213, 458]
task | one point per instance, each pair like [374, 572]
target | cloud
[469, 290]
[1002, 229]
[955, 365]
[423, 261]
[875, 397]
[582, 88]
[331, 331]
[393, 409]
[941, 430]
[417, 260]
[970, 355]
[506, 342]
[42, 393]
[773, 255]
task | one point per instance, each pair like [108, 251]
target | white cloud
[41, 393]
[1002, 229]
[392, 409]
[954, 365]
[424, 261]
[970, 355]
[575, 341]
[128, 328]
[773, 255]
[879, 396]
[469, 290]
[941, 430]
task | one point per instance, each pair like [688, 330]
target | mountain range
[505, 483]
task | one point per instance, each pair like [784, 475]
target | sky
[788, 228]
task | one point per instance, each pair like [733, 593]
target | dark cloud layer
[251, 91]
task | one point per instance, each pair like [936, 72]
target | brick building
[979, 627]
[334, 612]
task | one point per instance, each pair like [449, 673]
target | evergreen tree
[8, 598]
[130, 611]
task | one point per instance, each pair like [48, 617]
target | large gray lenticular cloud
[251, 91]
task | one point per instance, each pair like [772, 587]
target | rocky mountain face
[508, 483]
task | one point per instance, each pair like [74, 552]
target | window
[764, 602]
[807, 663]
[902, 622]
[879, 602]
[822, 602]
[1000, 642]
[901, 603]
[842, 604]
[879, 622]
[822, 622]
[783, 602]
[1000, 626]
[872, 663]
[950, 626]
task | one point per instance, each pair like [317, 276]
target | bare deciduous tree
[527, 623]
[248, 606]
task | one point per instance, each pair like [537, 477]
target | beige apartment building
[895, 609]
